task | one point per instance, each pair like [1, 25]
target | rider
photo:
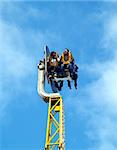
[67, 57]
[53, 64]
[67, 61]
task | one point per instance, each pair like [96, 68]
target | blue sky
[89, 30]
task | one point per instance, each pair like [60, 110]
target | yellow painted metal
[55, 125]
[57, 108]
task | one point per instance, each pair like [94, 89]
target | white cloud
[20, 51]
[104, 96]
[110, 32]
[15, 63]
[98, 99]
[14, 59]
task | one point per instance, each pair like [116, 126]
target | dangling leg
[69, 84]
[75, 80]
[56, 85]
[71, 69]
[75, 83]
[61, 85]
[53, 86]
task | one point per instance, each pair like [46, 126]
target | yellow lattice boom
[55, 125]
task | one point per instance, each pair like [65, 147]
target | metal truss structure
[55, 125]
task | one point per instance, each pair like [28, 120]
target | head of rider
[53, 55]
[53, 59]
[66, 55]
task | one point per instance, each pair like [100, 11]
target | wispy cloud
[98, 98]
[20, 50]
[15, 63]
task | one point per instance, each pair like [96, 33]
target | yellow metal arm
[55, 125]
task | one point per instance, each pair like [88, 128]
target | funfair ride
[55, 131]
